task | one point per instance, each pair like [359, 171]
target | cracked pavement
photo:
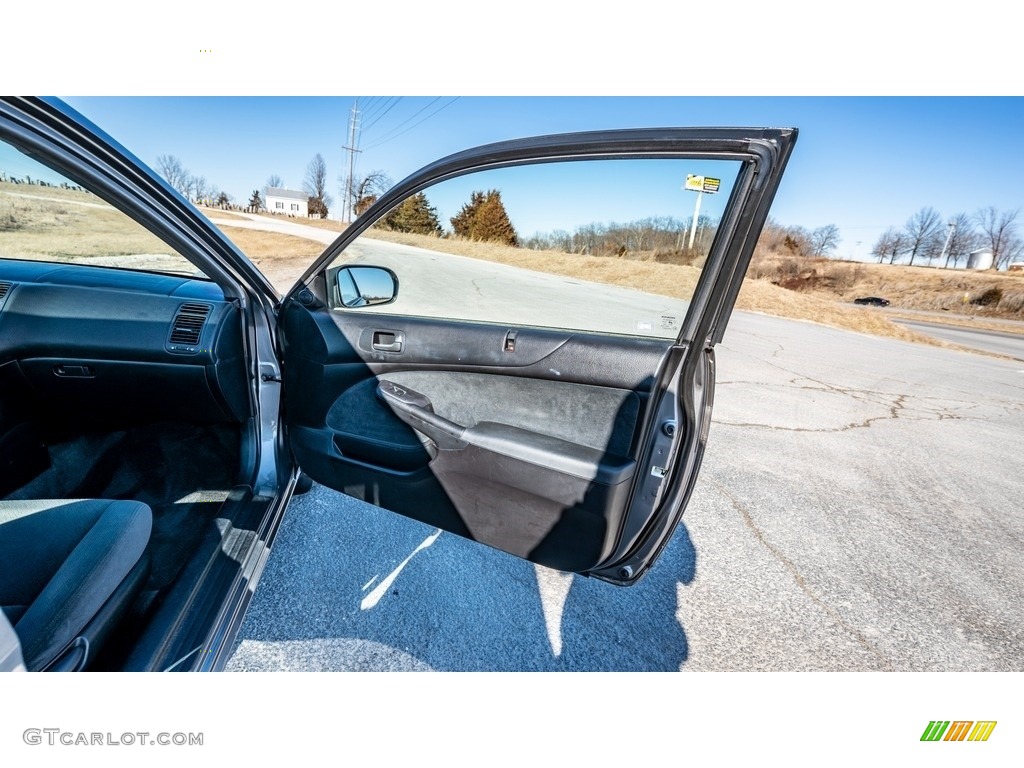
[859, 508]
[884, 481]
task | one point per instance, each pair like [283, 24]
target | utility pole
[346, 210]
[949, 236]
[696, 215]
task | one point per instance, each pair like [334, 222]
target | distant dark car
[872, 301]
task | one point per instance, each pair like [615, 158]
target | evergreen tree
[415, 214]
[255, 202]
[462, 222]
[492, 222]
[484, 218]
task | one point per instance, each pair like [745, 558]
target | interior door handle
[388, 341]
[416, 410]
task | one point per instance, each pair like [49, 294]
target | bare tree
[273, 181]
[999, 231]
[892, 244]
[1013, 250]
[638, 235]
[199, 188]
[924, 234]
[824, 240]
[366, 189]
[174, 172]
[315, 185]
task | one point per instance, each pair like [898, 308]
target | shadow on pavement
[349, 586]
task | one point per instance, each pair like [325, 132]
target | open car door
[516, 344]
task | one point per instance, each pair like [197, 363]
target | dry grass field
[65, 225]
[282, 258]
[217, 213]
[976, 293]
[328, 224]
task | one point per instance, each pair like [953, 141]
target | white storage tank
[980, 259]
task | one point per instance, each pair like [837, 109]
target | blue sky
[544, 198]
[863, 164]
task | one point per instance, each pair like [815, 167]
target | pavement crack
[773, 428]
[893, 414]
[896, 405]
[798, 577]
[767, 340]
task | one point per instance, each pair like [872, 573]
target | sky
[550, 197]
[881, 133]
[861, 163]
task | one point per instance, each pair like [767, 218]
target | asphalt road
[437, 284]
[1008, 344]
[858, 509]
[442, 285]
[282, 226]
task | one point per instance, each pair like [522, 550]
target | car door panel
[564, 409]
[549, 427]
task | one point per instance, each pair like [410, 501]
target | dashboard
[93, 347]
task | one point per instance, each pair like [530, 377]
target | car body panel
[545, 451]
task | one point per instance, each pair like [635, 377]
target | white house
[287, 201]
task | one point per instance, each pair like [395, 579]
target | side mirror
[359, 286]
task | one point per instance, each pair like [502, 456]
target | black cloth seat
[68, 569]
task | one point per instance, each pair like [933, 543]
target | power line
[372, 106]
[387, 134]
[373, 122]
[394, 135]
[375, 106]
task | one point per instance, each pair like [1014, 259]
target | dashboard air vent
[188, 327]
[4, 288]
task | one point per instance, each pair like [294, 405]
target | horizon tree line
[926, 238]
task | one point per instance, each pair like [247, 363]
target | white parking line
[381, 589]
[553, 587]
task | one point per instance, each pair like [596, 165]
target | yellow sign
[702, 184]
